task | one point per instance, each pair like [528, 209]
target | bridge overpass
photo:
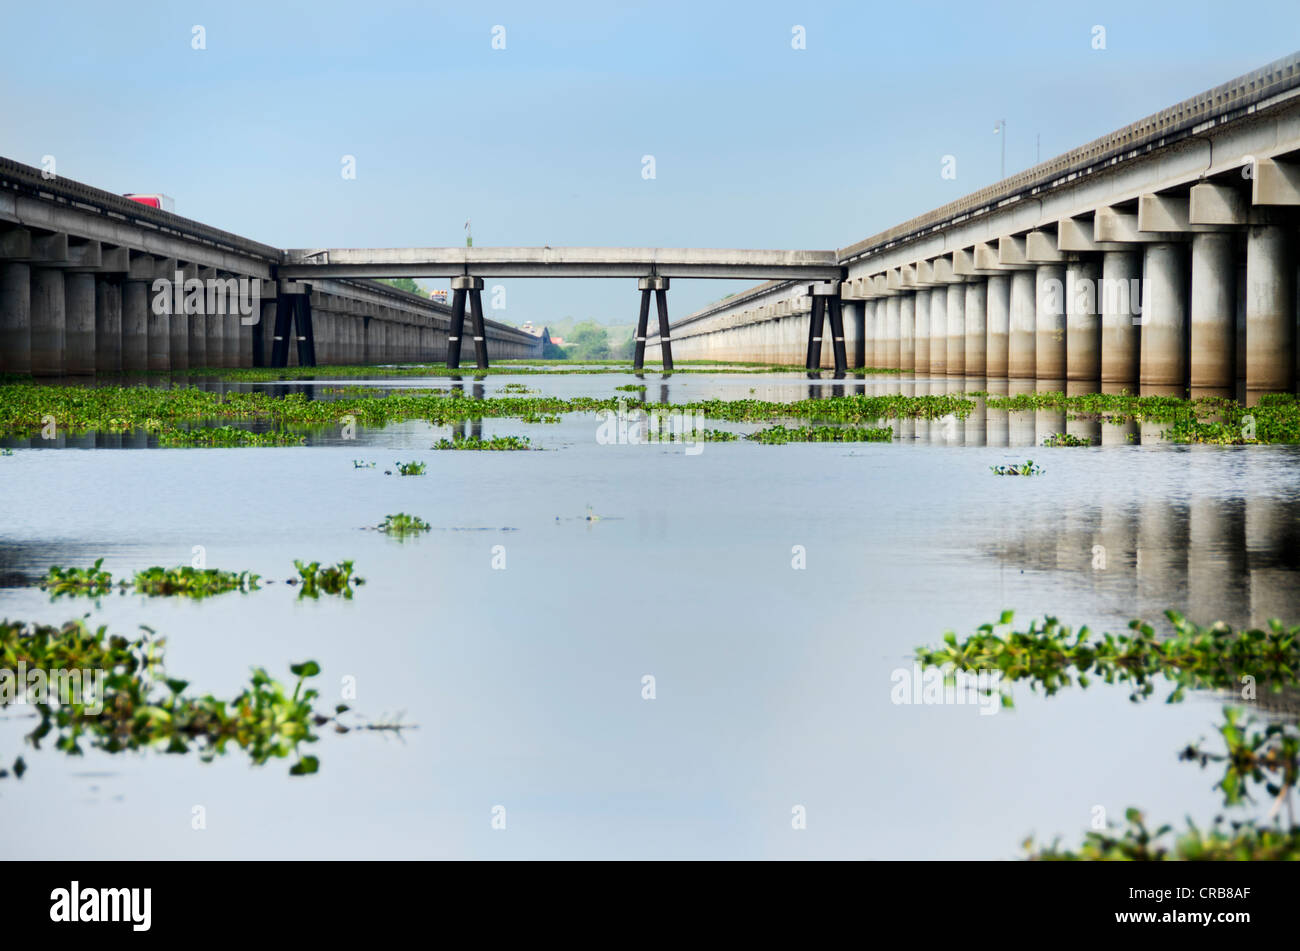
[1159, 257]
[79, 268]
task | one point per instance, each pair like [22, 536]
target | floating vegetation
[1210, 419]
[336, 579]
[402, 525]
[1051, 656]
[537, 418]
[1066, 439]
[495, 443]
[635, 388]
[192, 582]
[92, 581]
[1026, 468]
[359, 464]
[6, 452]
[516, 388]
[698, 435]
[1216, 657]
[130, 706]
[780, 434]
[172, 437]
[410, 468]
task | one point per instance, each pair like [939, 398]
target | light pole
[1000, 128]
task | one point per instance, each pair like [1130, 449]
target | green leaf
[307, 668]
[305, 767]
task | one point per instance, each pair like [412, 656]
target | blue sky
[756, 144]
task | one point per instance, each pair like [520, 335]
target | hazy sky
[755, 144]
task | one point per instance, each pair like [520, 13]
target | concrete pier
[15, 317]
[1213, 354]
[1022, 347]
[1164, 320]
[921, 340]
[135, 325]
[906, 332]
[955, 355]
[158, 328]
[1049, 322]
[1270, 311]
[108, 325]
[79, 308]
[938, 331]
[1121, 276]
[998, 324]
[48, 322]
[976, 315]
[1082, 322]
[892, 342]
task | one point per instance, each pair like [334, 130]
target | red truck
[159, 201]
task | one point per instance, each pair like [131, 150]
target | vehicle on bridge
[157, 200]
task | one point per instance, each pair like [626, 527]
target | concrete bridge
[79, 295]
[1161, 257]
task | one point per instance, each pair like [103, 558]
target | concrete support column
[196, 341]
[15, 317]
[921, 338]
[214, 332]
[1082, 322]
[1213, 315]
[178, 340]
[79, 307]
[938, 331]
[1121, 283]
[1270, 312]
[956, 311]
[48, 321]
[135, 325]
[998, 320]
[877, 333]
[907, 332]
[892, 344]
[853, 321]
[1049, 323]
[1022, 347]
[230, 337]
[976, 311]
[158, 330]
[1164, 319]
[266, 328]
[108, 325]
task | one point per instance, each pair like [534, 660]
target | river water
[774, 593]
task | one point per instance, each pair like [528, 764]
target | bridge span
[1160, 257]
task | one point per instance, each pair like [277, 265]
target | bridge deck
[303, 264]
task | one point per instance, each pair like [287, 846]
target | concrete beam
[1210, 204]
[15, 243]
[1166, 213]
[1041, 248]
[722, 263]
[1275, 183]
[1110, 224]
[1076, 235]
[83, 256]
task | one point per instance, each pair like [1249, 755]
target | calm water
[773, 684]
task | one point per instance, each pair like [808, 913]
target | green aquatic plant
[777, 435]
[1052, 655]
[336, 579]
[6, 452]
[410, 468]
[131, 705]
[402, 525]
[495, 443]
[516, 388]
[359, 464]
[225, 436]
[1065, 439]
[192, 582]
[92, 581]
[1023, 469]
[632, 388]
